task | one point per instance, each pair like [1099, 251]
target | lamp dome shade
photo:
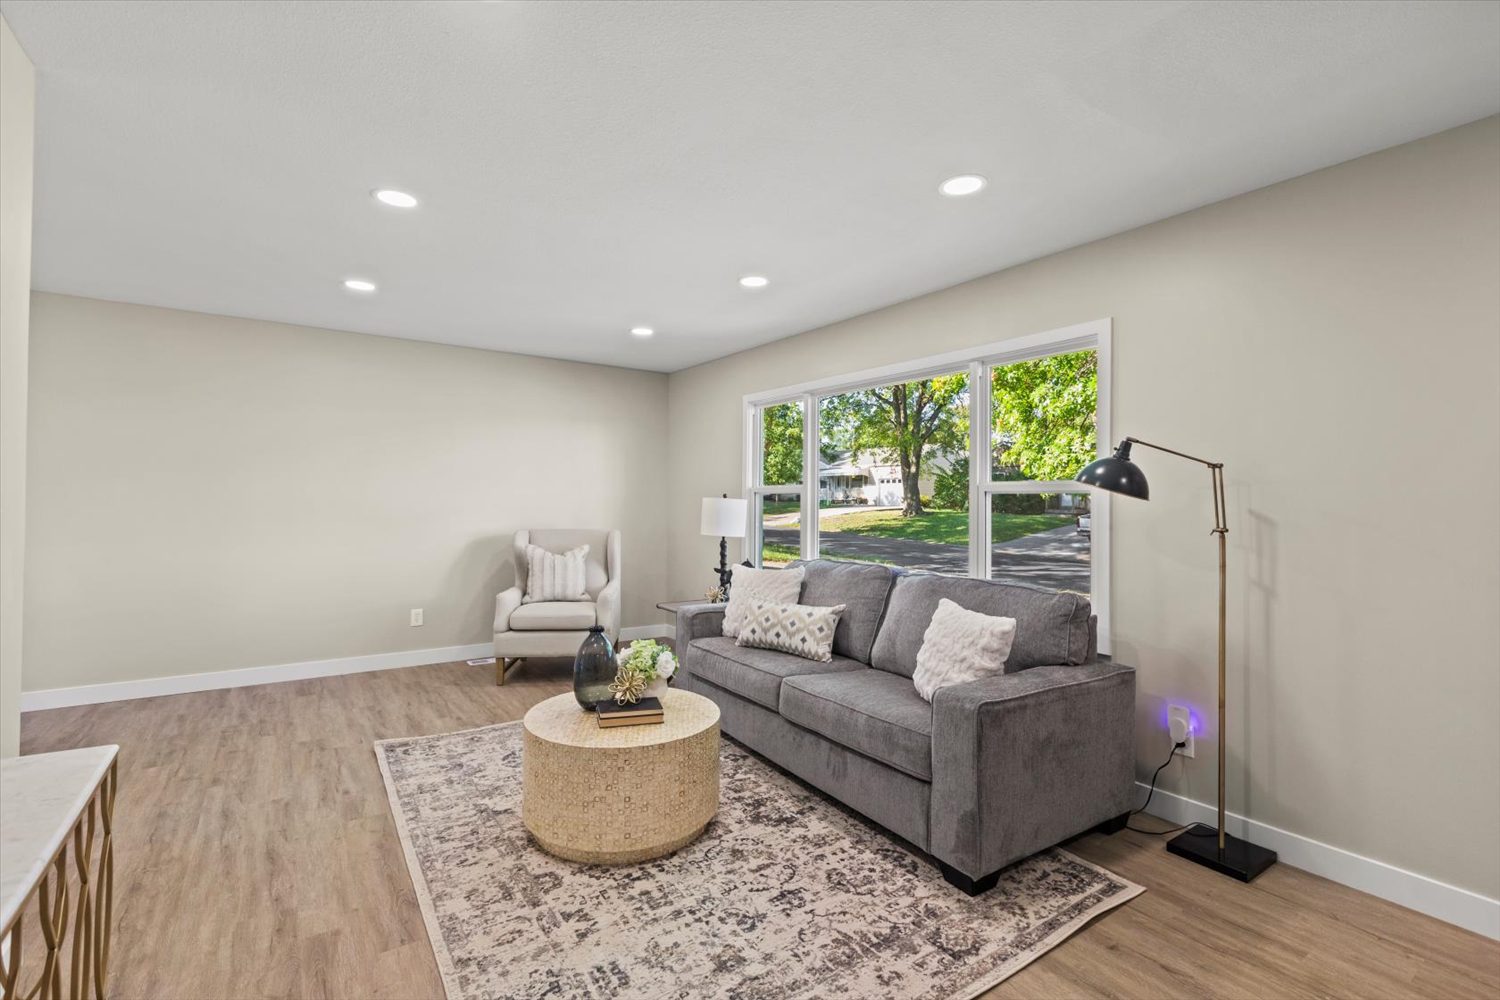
[1117, 474]
[723, 517]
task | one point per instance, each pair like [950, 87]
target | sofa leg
[972, 886]
[1114, 824]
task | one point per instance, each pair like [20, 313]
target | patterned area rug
[786, 895]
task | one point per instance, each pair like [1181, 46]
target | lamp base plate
[1239, 859]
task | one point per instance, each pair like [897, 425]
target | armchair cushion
[553, 616]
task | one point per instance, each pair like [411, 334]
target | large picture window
[889, 465]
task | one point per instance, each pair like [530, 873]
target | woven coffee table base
[619, 796]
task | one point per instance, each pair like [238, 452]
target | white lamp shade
[724, 517]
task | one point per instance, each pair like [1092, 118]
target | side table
[57, 850]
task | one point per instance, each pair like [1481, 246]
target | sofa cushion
[961, 646]
[548, 616]
[861, 587]
[1051, 627]
[799, 629]
[754, 673]
[748, 585]
[871, 712]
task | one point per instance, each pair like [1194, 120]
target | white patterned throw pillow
[556, 576]
[961, 645]
[776, 586]
[800, 629]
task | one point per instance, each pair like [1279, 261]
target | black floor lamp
[1210, 847]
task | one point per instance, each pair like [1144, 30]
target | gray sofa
[990, 772]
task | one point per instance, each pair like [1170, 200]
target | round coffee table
[624, 794]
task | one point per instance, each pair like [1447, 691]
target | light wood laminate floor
[257, 858]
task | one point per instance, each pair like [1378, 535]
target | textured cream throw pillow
[553, 576]
[800, 629]
[774, 586]
[961, 645]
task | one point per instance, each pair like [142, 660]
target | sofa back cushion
[1051, 627]
[862, 588]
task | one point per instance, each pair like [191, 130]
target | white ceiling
[588, 167]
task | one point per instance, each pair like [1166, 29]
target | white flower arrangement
[642, 662]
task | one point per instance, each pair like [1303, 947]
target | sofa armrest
[698, 621]
[506, 602]
[607, 610]
[1022, 761]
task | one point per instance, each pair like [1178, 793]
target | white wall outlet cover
[416, 617]
[1180, 727]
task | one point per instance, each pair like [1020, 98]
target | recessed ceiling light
[359, 285]
[395, 199]
[957, 187]
[642, 331]
[754, 281]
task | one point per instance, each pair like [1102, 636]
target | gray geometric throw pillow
[799, 629]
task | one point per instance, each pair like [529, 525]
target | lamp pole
[1118, 474]
[1221, 529]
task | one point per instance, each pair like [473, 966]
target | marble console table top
[41, 797]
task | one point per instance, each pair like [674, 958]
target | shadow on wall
[1256, 682]
[483, 569]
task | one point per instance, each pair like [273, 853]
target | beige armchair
[557, 628]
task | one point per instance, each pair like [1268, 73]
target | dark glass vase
[593, 669]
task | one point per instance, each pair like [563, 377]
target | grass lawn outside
[779, 555]
[935, 527]
[787, 506]
[943, 527]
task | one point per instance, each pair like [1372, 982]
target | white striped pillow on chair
[552, 576]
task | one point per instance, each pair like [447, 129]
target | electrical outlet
[416, 617]
[1180, 727]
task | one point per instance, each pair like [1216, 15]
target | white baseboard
[92, 694]
[1437, 899]
[1418, 892]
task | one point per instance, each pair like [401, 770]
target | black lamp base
[1240, 859]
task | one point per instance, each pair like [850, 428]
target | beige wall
[210, 493]
[17, 110]
[1335, 340]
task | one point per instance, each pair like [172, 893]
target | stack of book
[645, 712]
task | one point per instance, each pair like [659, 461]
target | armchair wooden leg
[504, 663]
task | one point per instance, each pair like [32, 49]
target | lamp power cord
[1152, 791]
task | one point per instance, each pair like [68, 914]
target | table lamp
[1210, 847]
[724, 516]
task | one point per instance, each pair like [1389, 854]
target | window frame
[1093, 335]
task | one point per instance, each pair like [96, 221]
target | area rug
[787, 895]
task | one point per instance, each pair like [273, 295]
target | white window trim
[1093, 335]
